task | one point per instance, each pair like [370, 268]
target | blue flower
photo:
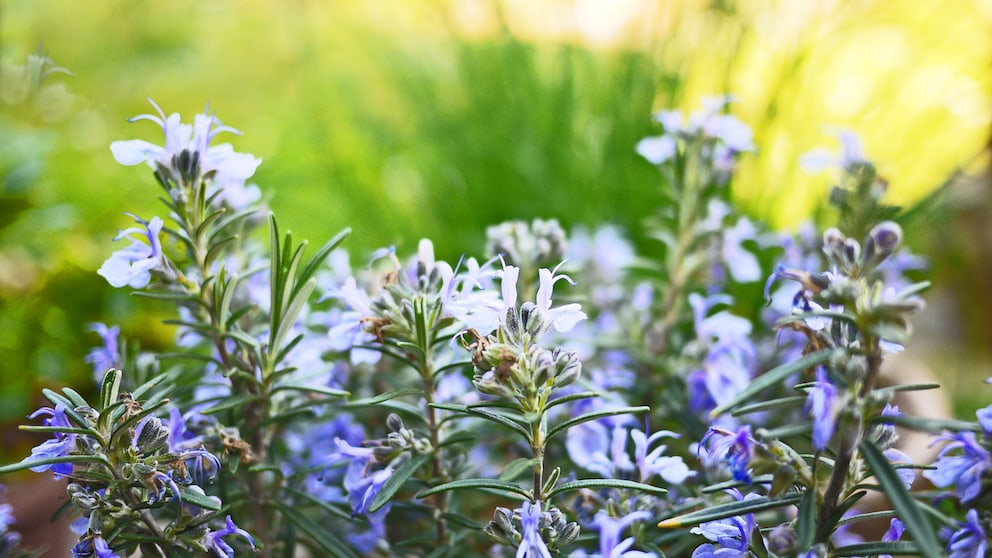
[531, 543]
[734, 449]
[362, 486]
[214, 541]
[133, 265]
[105, 357]
[93, 546]
[893, 533]
[732, 535]
[610, 545]
[61, 445]
[823, 404]
[985, 420]
[970, 540]
[961, 464]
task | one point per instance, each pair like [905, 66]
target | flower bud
[568, 367]
[568, 534]
[782, 540]
[556, 519]
[394, 422]
[489, 384]
[152, 436]
[882, 241]
[501, 527]
[533, 320]
[81, 497]
[512, 321]
[541, 364]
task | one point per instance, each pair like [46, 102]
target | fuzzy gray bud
[394, 422]
[782, 540]
[533, 320]
[883, 240]
[568, 367]
[153, 435]
[568, 534]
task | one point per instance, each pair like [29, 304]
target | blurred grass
[438, 118]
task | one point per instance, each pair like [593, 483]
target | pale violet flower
[485, 314]
[823, 404]
[610, 529]
[219, 161]
[133, 265]
[820, 159]
[657, 149]
[742, 264]
[563, 318]
[652, 462]
[599, 449]
[106, 356]
[531, 543]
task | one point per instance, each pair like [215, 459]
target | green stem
[851, 435]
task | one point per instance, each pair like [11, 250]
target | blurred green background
[440, 117]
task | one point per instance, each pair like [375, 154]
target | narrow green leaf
[806, 526]
[199, 500]
[231, 403]
[396, 480]
[383, 397]
[605, 483]
[909, 512]
[595, 415]
[912, 387]
[516, 468]
[59, 429]
[731, 509]
[110, 388]
[51, 461]
[311, 389]
[897, 548]
[230, 220]
[771, 378]
[500, 403]
[335, 511]
[275, 264]
[571, 397]
[408, 410]
[760, 406]
[243, 338]
[167, 295]
[928, 424]
[510, 422]
[913, 289]
[288, 319]
[489, 484]
[230, 287]
[721, 486]
[323, 537]
[787, 431]
[70, 408]
[217, 248]
[73, 395]
[866, 516]
[462, 521]
[322, 254]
